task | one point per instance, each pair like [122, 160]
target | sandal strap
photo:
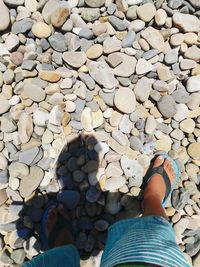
[160, 170]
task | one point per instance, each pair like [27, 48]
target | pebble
[186, 22]
[4, 16]
[59, 16]
[34, 92]
[187, 125]
[143, 66]
[146, 12]
[167, 106]
[154, 38]
[94, 51]
[4, 104]
[193, 150]
[133, 170]
[41, 29]
[75, 59]
[193, 84]
[125, 100]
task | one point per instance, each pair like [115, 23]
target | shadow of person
[79, 182]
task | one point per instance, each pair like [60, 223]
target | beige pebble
[160, 17]
[41, 29]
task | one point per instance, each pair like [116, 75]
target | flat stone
[75, 59]
[49, 75]
[59, 16]
[132, 169]
[154, 38]
[146, 12]
[127, 67]
[187, 64]
[34, 92]
[186, 22]
[3, 196]
[69, 198]
[181, 113]
[86, 119]
[28, 156]
[56, 41]
[125, 100]
[193, 84]
[41, 29]
[25, 127]
[95, 51]
[143, 88]
[117, 23]
[111, 44]
[8, 125]
[95, 3]
[187, 125]
[143, 66]
[150, 125]
[31, 182]
[102, 74]
[90, 14]
[135, 143]
[12, 42]
[4, 104]
[193, 52]
[18, 169]
[128, 39]
[180, 198]
[194, 150]
[4, 16]
[114, 183]
[22, 26]
[120, 137]
[167, 106]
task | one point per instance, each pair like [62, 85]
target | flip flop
[49, 241]
[161, 170]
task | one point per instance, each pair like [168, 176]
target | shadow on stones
[92, 209]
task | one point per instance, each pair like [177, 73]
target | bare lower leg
[155, 193]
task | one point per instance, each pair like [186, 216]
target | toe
[158, 161]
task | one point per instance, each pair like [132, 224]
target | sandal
[160, 170]
[49, 241]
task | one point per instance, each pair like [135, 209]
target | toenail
[160, 157]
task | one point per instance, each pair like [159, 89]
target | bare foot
[156, 185]
[64, 236]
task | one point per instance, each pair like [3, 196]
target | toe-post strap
[160, 170]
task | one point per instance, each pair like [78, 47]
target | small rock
[194, 150]
[94, 51]
[132, 169]
[146, 12]
[102, 74]
[75, 59]
[193, 84]
[135, 143]
[69, 198]
[118, 24]
[34, 92]
[143, 88]
[154, 38]
[167, 106]
[41, 29]
[25, 127]
[111, 45]
[4, 16]
[86, 119]
[186, 22]
[125, 100]
[90, 14]
[143, 66]
[59, 16]
[114, 183]
[31, 182]
[187, 126]
[95, 3]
